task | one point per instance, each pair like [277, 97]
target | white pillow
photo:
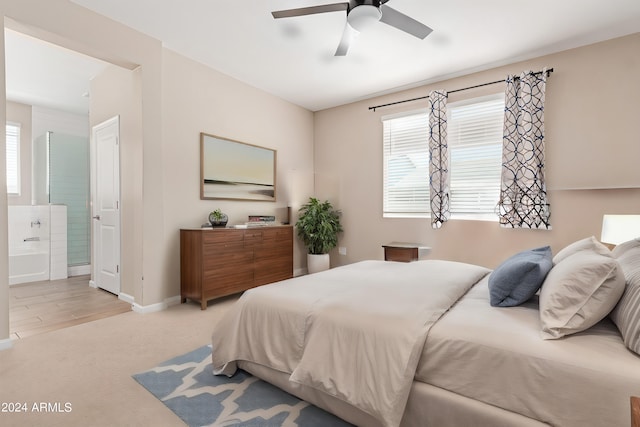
[589, 244]
[578, 292]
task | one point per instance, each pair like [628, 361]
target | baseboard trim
[175, 300]
[93, 284]
[299, 272]
[6, 344]
[126, 298]
[146, 309]
[79, 270]
[152, 308]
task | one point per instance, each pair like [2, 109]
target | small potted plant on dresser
[218, 219]
[318, 226]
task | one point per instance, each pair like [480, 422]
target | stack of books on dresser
[261, 221]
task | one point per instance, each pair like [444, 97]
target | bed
[420, 344]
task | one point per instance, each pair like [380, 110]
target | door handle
[97, 217]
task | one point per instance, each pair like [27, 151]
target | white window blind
[475, 130]
[475, 146]
[406, 165]
[13, 158]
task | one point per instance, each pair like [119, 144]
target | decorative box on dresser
[215, 262]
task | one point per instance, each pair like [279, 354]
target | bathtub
[28, 267]
[34, 250]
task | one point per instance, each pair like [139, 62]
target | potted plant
[218, 219]
[318, 226]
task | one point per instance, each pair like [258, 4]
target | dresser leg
[203, 305]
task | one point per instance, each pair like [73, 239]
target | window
[406, 165]
[13, 158]
[475, 156]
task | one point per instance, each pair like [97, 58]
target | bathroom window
[13, 158]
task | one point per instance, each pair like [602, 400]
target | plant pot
[218, 222]
[317, 263]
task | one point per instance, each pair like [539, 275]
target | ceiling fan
[361, 14]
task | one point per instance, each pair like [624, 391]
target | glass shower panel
[69, 185]
[40, 170]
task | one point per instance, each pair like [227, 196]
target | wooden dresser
[215, 262]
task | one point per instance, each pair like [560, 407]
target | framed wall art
[236, 170]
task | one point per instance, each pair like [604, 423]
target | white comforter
[354, 332]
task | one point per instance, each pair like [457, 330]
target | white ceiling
[46, 75]
[293, 57]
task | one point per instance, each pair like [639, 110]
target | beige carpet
[81, 376]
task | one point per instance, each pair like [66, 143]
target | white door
[106, 204]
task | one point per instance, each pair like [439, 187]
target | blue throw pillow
[518, 278]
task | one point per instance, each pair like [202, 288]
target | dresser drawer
[215, 249]
[222, 236]
[277, 235]
[216, 259]
[273, 271]
[253, 238]
[272, 252]
[228, 281]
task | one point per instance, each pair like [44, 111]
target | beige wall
[4, 232]
[21, 113]
[211, 102]
[593, 142]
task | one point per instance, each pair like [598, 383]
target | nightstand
[404, 252]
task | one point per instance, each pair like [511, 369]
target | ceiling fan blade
[347, 37]
[288, 13]
[403, 22]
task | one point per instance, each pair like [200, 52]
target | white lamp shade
[618, 229]
[363, 16]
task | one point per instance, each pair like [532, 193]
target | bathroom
[48, 213]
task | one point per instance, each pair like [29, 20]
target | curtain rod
[549, 71]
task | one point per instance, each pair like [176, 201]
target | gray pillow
[626, 315]
[578, 292]
[518, 278]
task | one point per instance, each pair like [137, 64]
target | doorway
[64, 104]
[47, 93]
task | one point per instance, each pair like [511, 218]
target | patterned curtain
[438, 159]
[523, 195]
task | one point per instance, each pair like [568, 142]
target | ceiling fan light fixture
[363, 16]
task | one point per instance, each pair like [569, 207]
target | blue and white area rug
[187, 386]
